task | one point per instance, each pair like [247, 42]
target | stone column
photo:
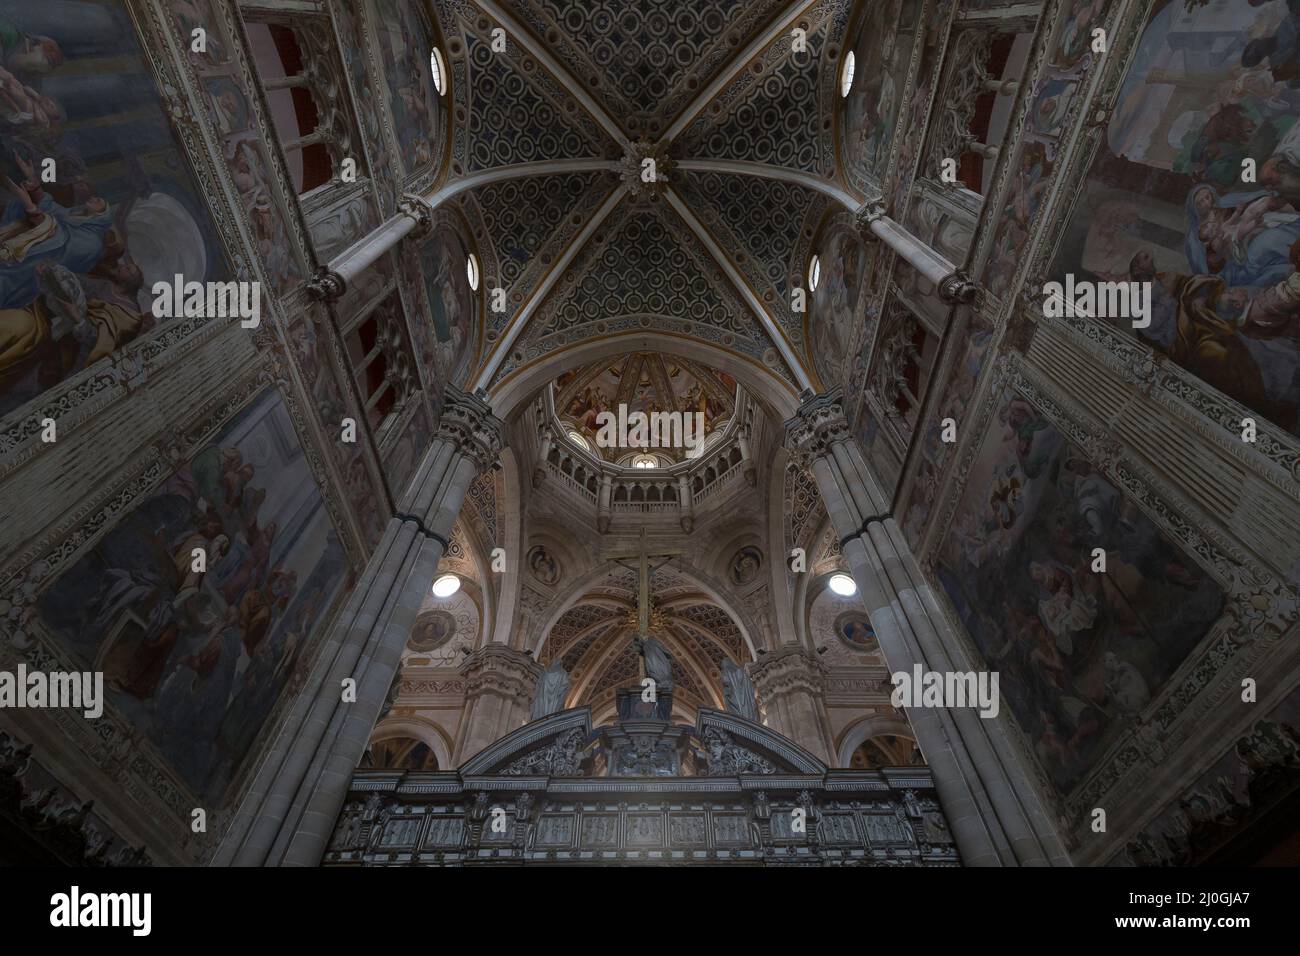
[602, 507]
[499, 686]
[331, 281]
[685, 503]
[952, 284]
[990, 804]
[791, 687]
[543, 452]
[291, 808]
[747, 457]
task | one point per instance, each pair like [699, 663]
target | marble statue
[657, 666]
[552, 688]
[738, 691]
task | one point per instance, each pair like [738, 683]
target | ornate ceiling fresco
[645, 382]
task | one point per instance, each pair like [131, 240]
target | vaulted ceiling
[733, 101]
[594, 638]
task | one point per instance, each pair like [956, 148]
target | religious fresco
[244, 149]
[402, 457]
[833, 311]
[1080, 653]
[915, 127]
[1069, 62]
[645, 382]
[433, 629]
[1259, 772]
[349, 22]
[854, 629]
[416, 107]
[544, 566]
[451, 301]
[976, 340]
[1166, 199]
[79, 255]
[196, 660]
[882, 50]
[744, 566]
[1036, 154]
[311, 355]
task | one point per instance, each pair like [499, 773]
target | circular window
[439, 71]
[577, 439]
[843, 585]
[814, 273]
[446, 586]
[645, 461]
[846, 74]
[471, 271]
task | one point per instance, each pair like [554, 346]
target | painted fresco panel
[416, 107]
[1080, 653]
[79, 255]
[197, 660]
[882, 50]
[1166, 200]
[451, 301]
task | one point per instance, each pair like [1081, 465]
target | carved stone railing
[726, 791]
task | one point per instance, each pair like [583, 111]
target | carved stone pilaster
[326, 285]
[817, 425]
[500, 671]
[467, 422]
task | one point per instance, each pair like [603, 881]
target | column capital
[788, 670]
[325, 285]
[869, 212]
[817, 425]
[501, 671]
[468, 423]
[417, 207]
[957, 288]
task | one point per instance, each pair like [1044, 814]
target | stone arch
[873, 725]
[416, 728]
[515, 390]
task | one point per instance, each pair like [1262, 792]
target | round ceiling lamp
[843, 585]
[446, 586]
